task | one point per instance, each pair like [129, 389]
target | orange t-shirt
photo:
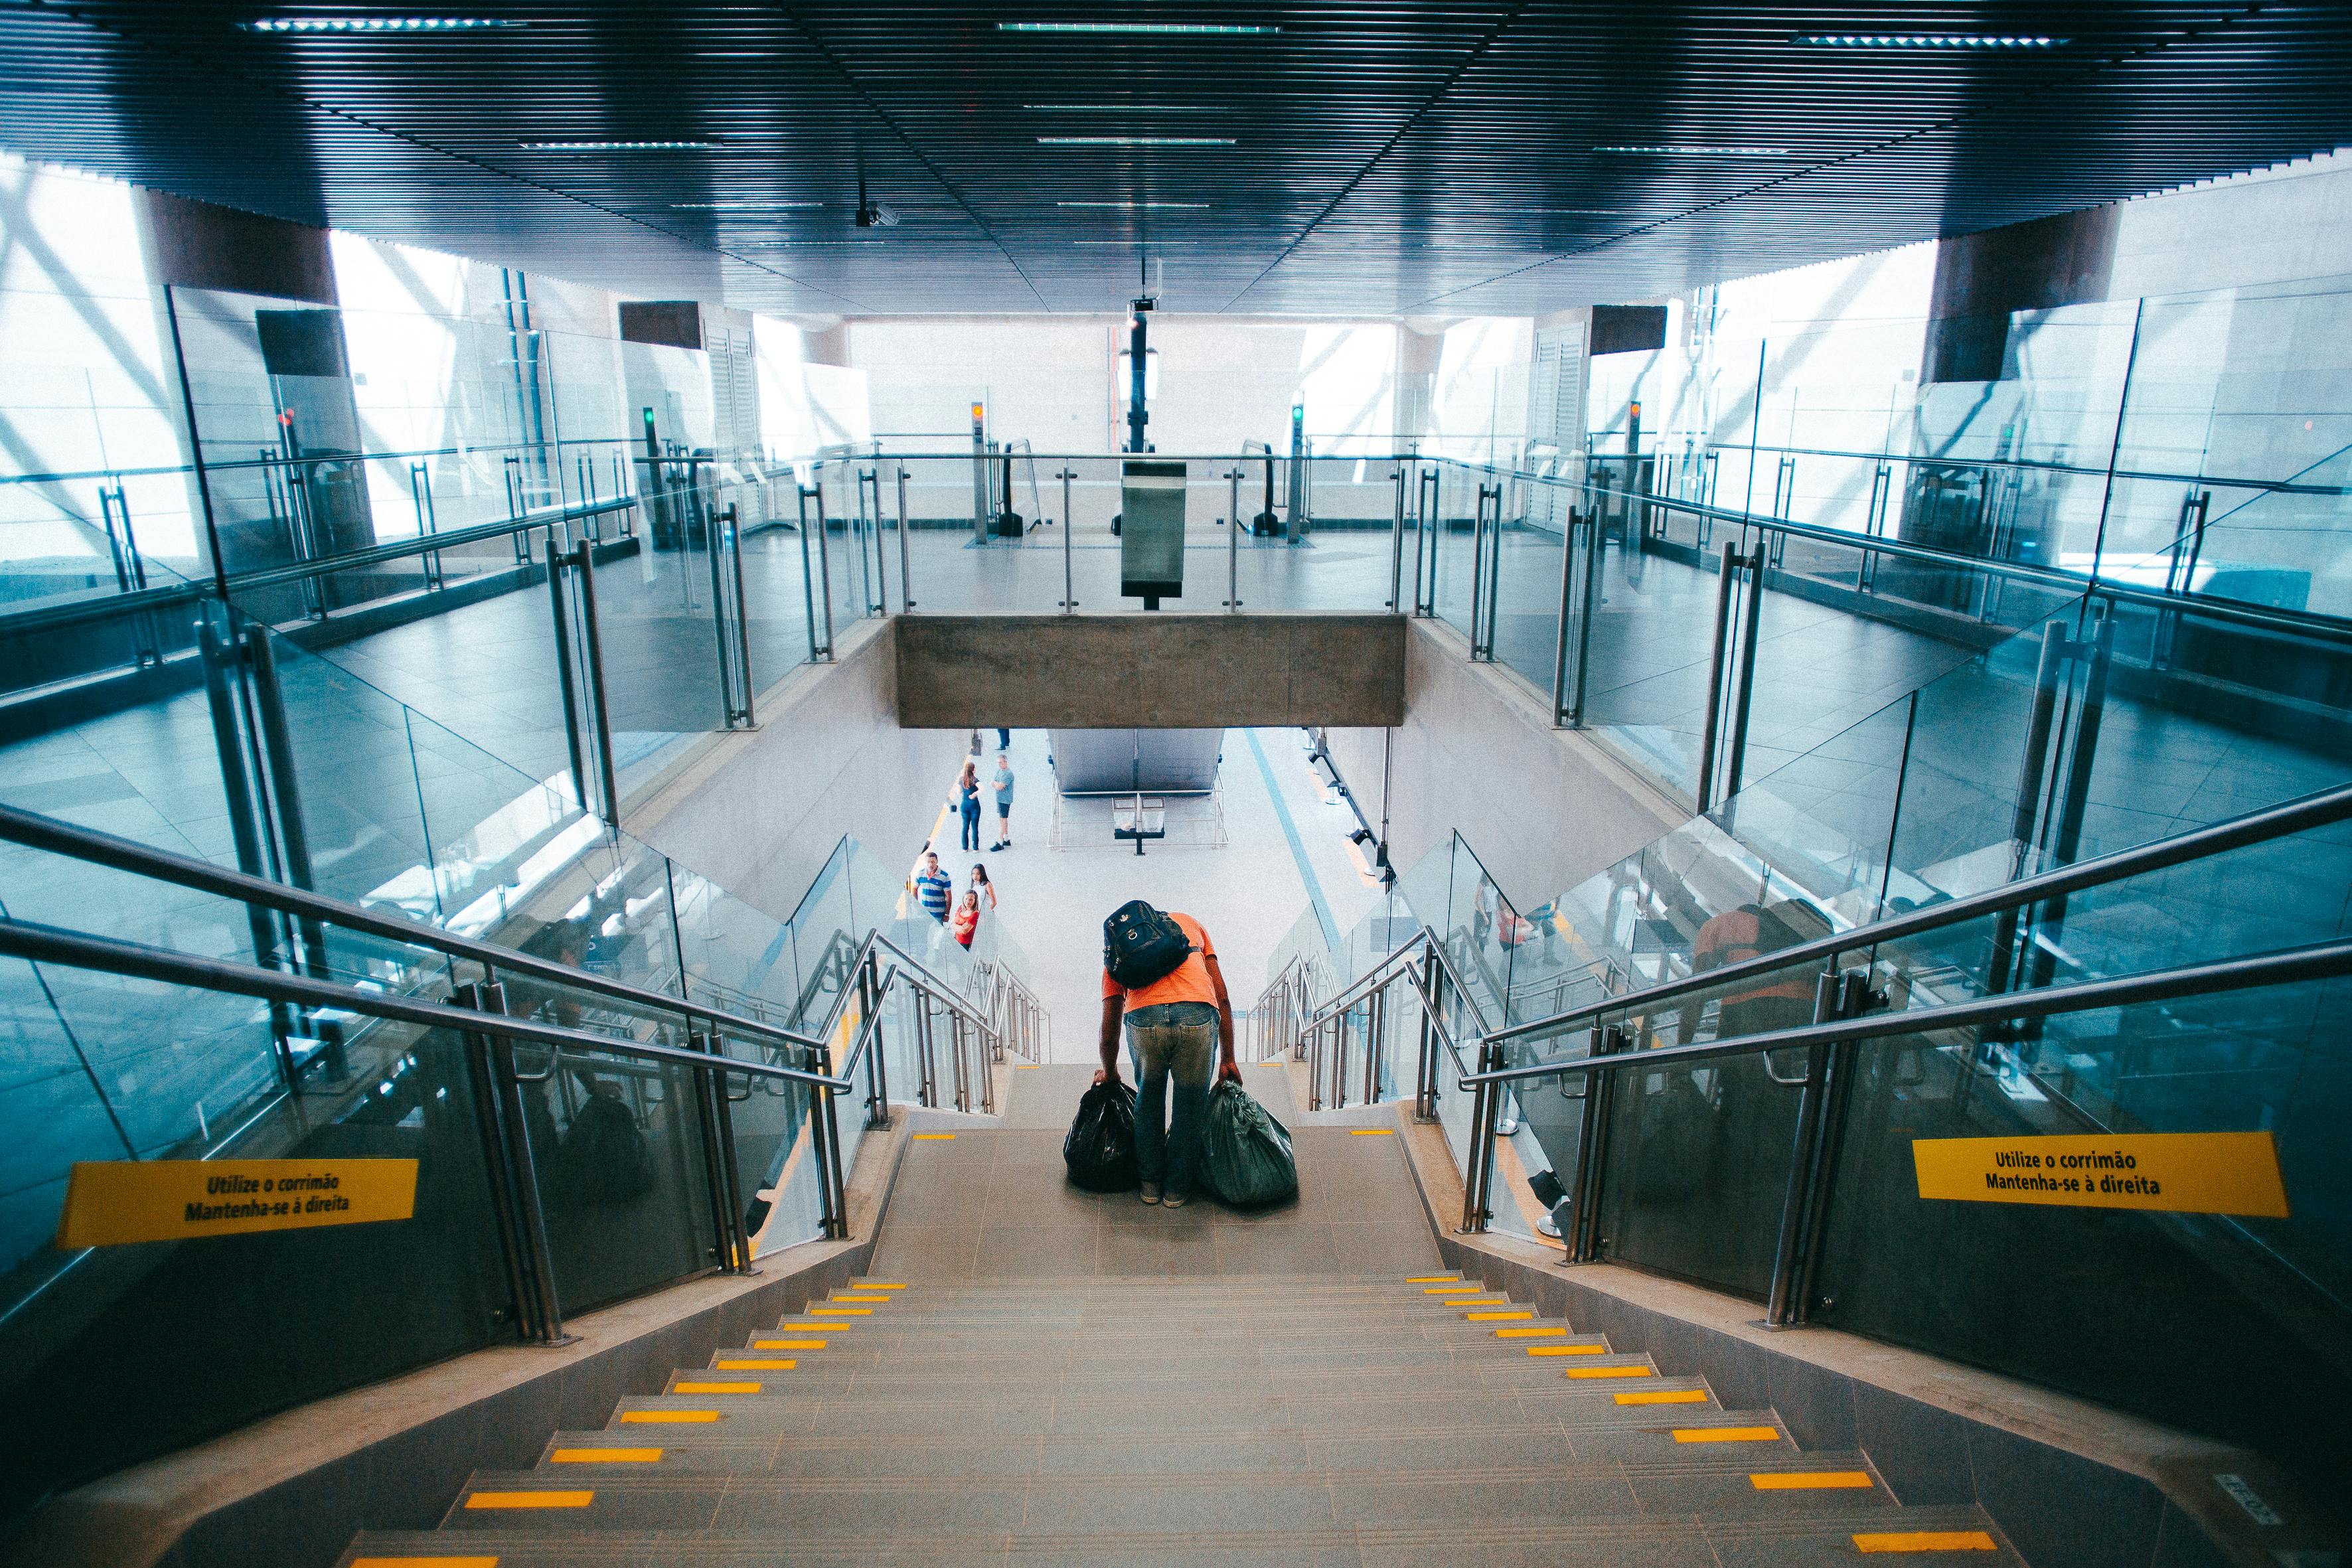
[1188, 981]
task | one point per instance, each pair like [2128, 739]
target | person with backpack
[1160, 979]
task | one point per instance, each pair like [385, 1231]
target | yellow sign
[110, 1202]
[2185, 1172]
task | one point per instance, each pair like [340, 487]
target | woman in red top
[966, 918]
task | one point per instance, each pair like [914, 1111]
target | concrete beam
[1150, 671]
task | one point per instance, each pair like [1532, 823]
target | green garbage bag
[1244, 1152]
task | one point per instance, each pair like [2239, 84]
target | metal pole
[600, 713]
[1726, 575]
[565, 687]
[906, 578]
[1559, 648]
[727, 703]
[1486, 1101]
[1396, 549]
[498, 1166]
[1234, 539]
[1778, 1305]
[1595, 554]
[1477, 572]
[1582, 1232]
[824, 570]
[714, 1173]
[1070, 593]
[532, 1217]
[732, 1171]
[1743, 694]
[742, 611]
[808, 588]
[836, 1203]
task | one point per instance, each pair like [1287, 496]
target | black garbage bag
[1244, 1152]
[1101, 1148]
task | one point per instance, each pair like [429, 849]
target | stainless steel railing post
[600, 713]
[1396, 548]
[1743, 694]
[1581, 1234]
[906, 577]
[566, 691]
[1726, 581]
[808, 579]
[1796, 1198]
[531, 1213]
[1069, 525]
[824, 570]
[1559, 648]
[497, 1166]
[1478, 576]
[1234, 539]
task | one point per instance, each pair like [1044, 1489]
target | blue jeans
[1177, 1040]
[971, 814]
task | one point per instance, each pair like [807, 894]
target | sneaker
[1174, 1201]
[1151, 1193]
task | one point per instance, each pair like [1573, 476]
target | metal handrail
[2303, 623]
[2314, 961]
[2317, 810]
[38, 832]
[38, 944]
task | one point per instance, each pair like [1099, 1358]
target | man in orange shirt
[1171, 1026]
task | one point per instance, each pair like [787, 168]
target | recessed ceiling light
[1147, 244]
[1135, 140]
[617, 146]
[375, 24]
[1695, 149]
[739, 207]
[804, 244]
[1132, 206]
[1163, 28]
[1928, 41]
[1129, 107]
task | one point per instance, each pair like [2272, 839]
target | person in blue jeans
[1173, 1024]
[966, 801]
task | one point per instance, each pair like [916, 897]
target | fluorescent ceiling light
[1195, 28]
[1695, 150]
[739, 207]
[1143, 244]
[1135, 140]
[375, 24]
[803, 244]
[1928, 41]
[1129, 107]
[617, 146]
[1137, 206]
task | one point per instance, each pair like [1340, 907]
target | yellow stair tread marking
[1432, 1280]
[1547, 1330]
[667, 1417]
[767, 1365]
[1452, 1288]
[934, 1137]
[606, 1456]
[1497, 1317]
[1808, 1481]
[1726, 1434]
[1665, 1396]
[1610, 1372]
[530, 1499]
[1371, 1131]
[1926, 1540]
[813, 1328]
[838, 1298]
[787, 1344]
[878, 1285]
[1566, 1350]
[425, 1562]
[841, 1311]
[716, 1387]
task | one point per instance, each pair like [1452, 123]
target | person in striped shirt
[934, 886]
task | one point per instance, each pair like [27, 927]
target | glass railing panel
[1525, 618]
[617, 1147]
[425, 1288]
[2030, 1290]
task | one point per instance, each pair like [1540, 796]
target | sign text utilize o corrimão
[112, 1202]
[2183, 1173]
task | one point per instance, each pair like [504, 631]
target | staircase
[1130, 1385]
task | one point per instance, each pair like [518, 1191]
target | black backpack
[1141, 945]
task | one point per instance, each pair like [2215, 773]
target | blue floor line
[1297, 845]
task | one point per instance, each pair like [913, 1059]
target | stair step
[813, 1374]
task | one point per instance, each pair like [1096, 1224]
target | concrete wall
[1544, 808]
[758, 812]
[1149, 672]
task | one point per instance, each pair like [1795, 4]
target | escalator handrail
[2316, 810]
[2314, 961]
[38, 832]
[37, 944]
